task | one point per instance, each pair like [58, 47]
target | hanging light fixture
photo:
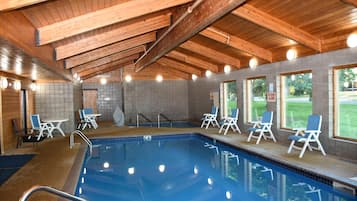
[253, 63]
[4, 83]
[352, 40]
[33, 86]
[227, 69]
[128, 78]
[291, 54]
[17, 85]
[208, 73]
[103, 81]
[159, 78]
[194, 77]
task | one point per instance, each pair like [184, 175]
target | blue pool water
[190, 167]
[175, 124]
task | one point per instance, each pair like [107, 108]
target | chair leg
[250, 136]
[207, 125]
[220, 130]
[260, 137]
[291, 146]
[272, 135]
[237, 128]
[321, 148]
[303, 149]
[227, 128]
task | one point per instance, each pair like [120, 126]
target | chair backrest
[267, 117]
[35, 121]
[214, 110]
[235, 113]
[313, 123]
[15, 126]
[81, 115]
[88, 111]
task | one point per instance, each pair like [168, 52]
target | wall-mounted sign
[271, 97]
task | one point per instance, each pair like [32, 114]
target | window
[256, 98]
[228, 97]
[345, 103]
[296, 104]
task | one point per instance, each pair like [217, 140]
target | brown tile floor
[55, 163]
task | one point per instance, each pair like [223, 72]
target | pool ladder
[165, 117]
[84, 137]
[51, 190]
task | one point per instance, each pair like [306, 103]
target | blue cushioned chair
[307, 136]
[40, 127]
[86, 119]
[262, 128]
[210, 118]
[231, 122]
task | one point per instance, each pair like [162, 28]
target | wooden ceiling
[56, 39]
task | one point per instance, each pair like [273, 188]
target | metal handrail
[48, 189]
[143, 116]
[84, 137]
[165, 117]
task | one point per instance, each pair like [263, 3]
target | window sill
[344, 140]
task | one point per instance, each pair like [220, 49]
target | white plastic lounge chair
[40, 127]
[262, 128]
[308, 135]
[210, 118]
[86, 119]
[231, 122]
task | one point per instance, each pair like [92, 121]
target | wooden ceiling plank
[100, 18]
[238, 43]
[110, 49]
[174, 72]
[7, 5]
[179, 66]
[86, 72]
[276, 25]
[193, 61]
[211, 53]
[204, 14]
[121, 33]
[352, 2]
[109, 69]
[108, 59]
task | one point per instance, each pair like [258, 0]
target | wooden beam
[174, 72]
[238, 43]
[124, 31]
[211, 53]
[179, 66]
[101, 18]
[352, 2]
[276, 25]
[109, 69]
[108, 59]
[118, 63]
[6, 5]
[205, 13]
[110, 49]
[193, 61]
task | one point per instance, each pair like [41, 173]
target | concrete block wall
[109, 97]
[150, 98]
[56, 101]
[321, 66]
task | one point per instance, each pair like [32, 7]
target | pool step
[345, 188]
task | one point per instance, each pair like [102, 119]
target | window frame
[248, 95]
[334, 94]
[282, 102]
[222, 104]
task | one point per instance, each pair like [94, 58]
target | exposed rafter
[108, 59]
[100, 18]
[110, 49]
[211, 53]
[118, 64]
[352, 2]
[177, 73]
[205, 13]
[126, 30]
[238, 43]
[193, 61]
[109, 69]
[179, 66]
[14, 4]
[276, 25]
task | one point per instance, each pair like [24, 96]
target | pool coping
[73, 177]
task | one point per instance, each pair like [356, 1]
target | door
[90, 97]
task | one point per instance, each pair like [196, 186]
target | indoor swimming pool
[191, 167]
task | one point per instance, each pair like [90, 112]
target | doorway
[90, 97]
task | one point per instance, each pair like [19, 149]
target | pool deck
[58, 166]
